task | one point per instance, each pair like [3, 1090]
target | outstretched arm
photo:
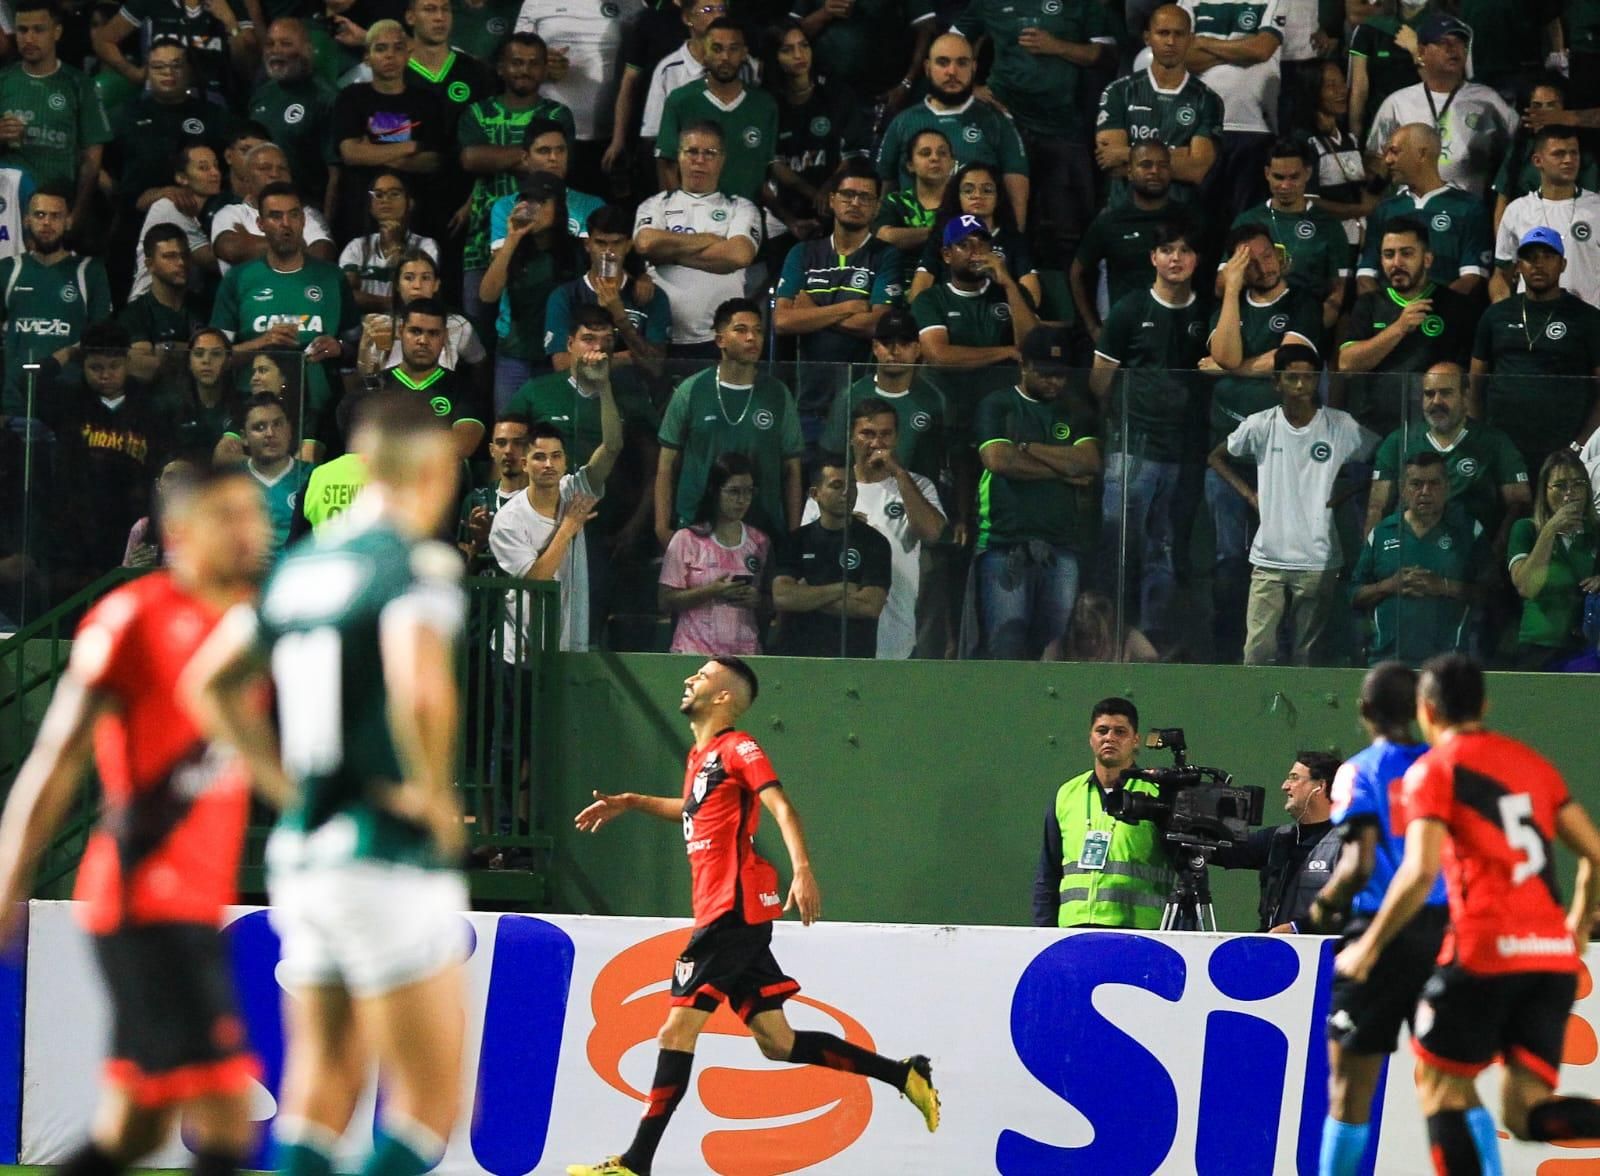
[804, 894]
[607, 808]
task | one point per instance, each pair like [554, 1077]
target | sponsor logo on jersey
[769, 898]
[263, 323]
[1321, 451]
[1555, 330]
[763, 418]
[849, 559]
[293, 113]
[4, 204]
[263, 295]
[48, 327]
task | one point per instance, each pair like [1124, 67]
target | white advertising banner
[1055, 1052]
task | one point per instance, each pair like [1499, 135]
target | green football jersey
[1156, 346]
[1122, 236]
[283, 494]
[1020, 510]
[490, 124]
[972, 318]
[1542, 357]
[1477, 463]
[922, 416]
[1314, 242]
[851, 49]
[1144, 111]
[1459, 233]
[481, 29]
[1042, 91]
[319, 624]
[902, 210]
[978, 133]
[1262, 328]
[46, 309]
[64, 115]
[749, 133]
[297, 115]
[706, 418]
[1414, 628]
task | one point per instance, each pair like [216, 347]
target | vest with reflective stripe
[1130, 890]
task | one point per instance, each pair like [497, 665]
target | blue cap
[1441, 25]
[1549, 238]
[963, 227]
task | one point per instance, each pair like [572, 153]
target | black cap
[540, 186]
[1047, 347]
[897, 325]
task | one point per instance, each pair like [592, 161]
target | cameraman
[1295, 860]
[1094, 870]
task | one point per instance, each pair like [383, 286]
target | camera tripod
[1189, 901]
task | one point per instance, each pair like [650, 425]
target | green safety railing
[497, 754]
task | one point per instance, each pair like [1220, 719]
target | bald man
[978, 132]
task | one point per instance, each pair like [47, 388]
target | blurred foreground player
[162, 863]
[729, 956]
[359, 626]
[1489, 809]
[1364, 1018]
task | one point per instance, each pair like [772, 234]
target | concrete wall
[924, 786]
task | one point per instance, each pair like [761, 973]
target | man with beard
[1038, 511]
[1259, 313]
[1404, 327]
[51, 294]
[163, 319]
[493, 133]
[1419, 571]
[1535, 354]
[196, 180]
[976, 131]
[1165, 102]
[1487, 477]
[287, 300]
[747, 115]
[295, 105]
[508, 456]
[422, 338]
[1456, 222]
[1121, 236]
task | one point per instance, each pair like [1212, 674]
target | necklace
[1544, 327]
[723, 408]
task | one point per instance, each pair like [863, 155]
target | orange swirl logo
[630, 1001]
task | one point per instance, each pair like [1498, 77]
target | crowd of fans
[1103, 329]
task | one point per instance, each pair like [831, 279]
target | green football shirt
[1477, 463]
[490, 123]
[1017, 510]
[1144, 111]
[1042, 91]
[1414, 628]
[1459, 234]
[922, 417]
[1314, 242]
[1156, 346]
[749, 133]
[971, 318]
[706, 418]
[64, 115]
[1375, 398]
[319, 627]
[978, 133]
[1553, 618]
[1122, 237]
[46, 309]
[297, 115]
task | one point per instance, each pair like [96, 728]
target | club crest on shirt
[702, 778]
[1321, 451]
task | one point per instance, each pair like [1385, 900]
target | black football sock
[215, 1162]
[91, 1160]
[1450, 1142]
[673, 1067]
[824, 1049]
[1564, 1118]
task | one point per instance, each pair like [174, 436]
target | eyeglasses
[1562, 485]
[855, 197]
[701, 152]
[164, 66]
[386, 193]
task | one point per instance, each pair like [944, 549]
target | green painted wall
[924, 786]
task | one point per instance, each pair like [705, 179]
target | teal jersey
[46, 309]
[1414, 628]
[1013, 511]
[283, 495]
[64, 115]
[749, 133]
[490, 124]
[922, 417]
[1292, 317]
[1314, 242]
[1143, 111]
[315, 298]
[297, 115]
[869, 275]
[1041, 91]
[706, 418]
[1479, 463]
[1459, 235]
[978, 133]
[319, 626]
[1156, 346]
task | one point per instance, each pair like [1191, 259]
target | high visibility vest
[1131, 889]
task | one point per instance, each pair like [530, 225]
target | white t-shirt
[695, 294]
[591, 33]
[1295, 469]
[1590, 456]
[1249, 93]
[883, 506]
[1299, 22]
[363, 256]
[243, 216]
[1578, 222]
[517, 538]
[162, 212]
[1474, 132]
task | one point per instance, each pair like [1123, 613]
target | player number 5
[1516, 818]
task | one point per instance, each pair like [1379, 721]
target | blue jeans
[510, 374]
[1024, 603]
[1235, 525]
[1151, 488]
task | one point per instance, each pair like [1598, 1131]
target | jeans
[510, 374]
[1152, 495]
[1025, 598]
[1235, 525]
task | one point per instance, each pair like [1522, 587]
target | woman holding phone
[715, 569]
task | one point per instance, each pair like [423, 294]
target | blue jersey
[1361, 794]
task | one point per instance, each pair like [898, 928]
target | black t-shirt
[815, 134]
[360, 112]
[452, 397]
[1445, 334]
[817, 555]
